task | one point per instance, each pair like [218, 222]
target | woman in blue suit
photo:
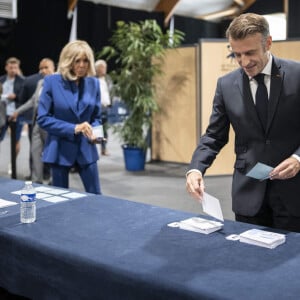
[69, 108]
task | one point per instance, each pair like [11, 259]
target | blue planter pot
[134, 158]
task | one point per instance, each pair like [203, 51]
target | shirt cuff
[193, 170]
[297, 157]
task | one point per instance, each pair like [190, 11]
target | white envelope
[212, 207]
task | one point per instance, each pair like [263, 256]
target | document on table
[260, 171]
[55, 191]
[42, 195]
[54, 195]
[212, 207]
[43, 189]
[47, 190]
[5, 203]
[262, 238]
[56, 199]
[74, 195]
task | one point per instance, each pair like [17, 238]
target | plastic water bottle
[28, 203]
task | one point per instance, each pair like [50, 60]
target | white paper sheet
[55, 191]
[74, 195]
[42, 195]
[16, 192]
[43, 188]
[212, 207]
[5, 203]
[56, 199]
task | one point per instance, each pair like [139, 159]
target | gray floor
[161, 184]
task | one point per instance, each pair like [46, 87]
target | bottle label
[28, 197]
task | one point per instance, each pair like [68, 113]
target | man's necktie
[261, 99]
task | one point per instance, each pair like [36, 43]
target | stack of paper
[197, 224]
[262, 238]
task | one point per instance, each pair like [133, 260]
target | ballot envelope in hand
[212, 207]
[98, 133]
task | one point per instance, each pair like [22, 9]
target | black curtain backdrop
[7, 34]
[93, 24]
[293, 26]
[196, 29]
[265, 7]
[41, 30]
[96, 21]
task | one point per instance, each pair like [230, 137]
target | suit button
[268, 142]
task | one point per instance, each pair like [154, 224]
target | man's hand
[11, 97]
[286, 169]
[13, 117]
[195, 185]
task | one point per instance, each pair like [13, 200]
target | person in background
[12, 85]
[68, 109]
[275, 141]
[2, 110]
[105, 88]
[28, 89]
[46, 67]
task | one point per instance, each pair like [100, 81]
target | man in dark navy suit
[273, 202]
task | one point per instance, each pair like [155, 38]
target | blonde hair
[70, 53]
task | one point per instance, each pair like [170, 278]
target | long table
[100, 247]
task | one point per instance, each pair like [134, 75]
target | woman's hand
[86, 129]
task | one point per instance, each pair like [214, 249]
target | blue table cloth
[100, 247]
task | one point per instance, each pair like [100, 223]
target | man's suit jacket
[32, 103]
[59, 111]
[29, 87]
[233, 104]
[18, 85]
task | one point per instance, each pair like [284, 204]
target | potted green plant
[137, 49]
